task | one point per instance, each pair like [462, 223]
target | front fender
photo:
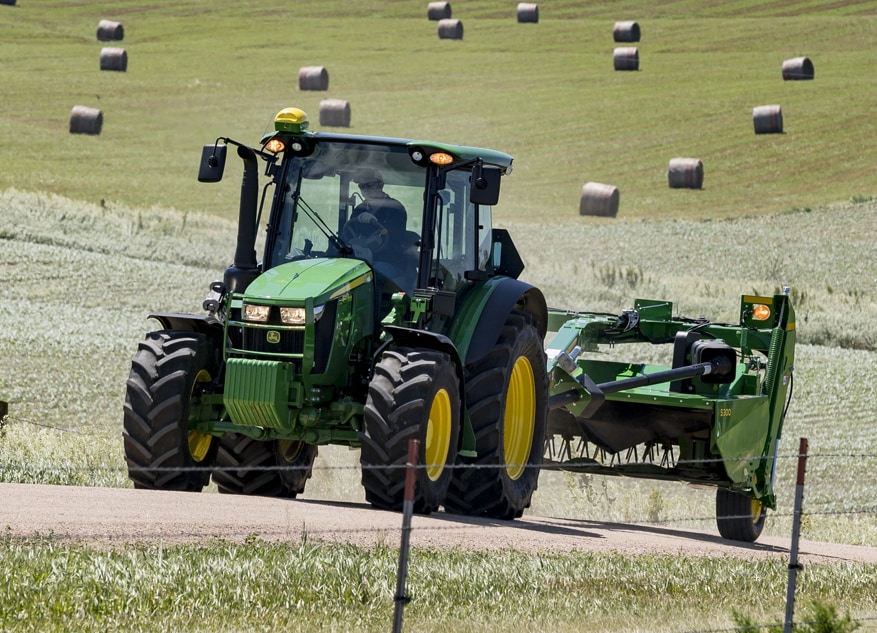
[206, 324]
[406, 337]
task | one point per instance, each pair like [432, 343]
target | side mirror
[212, 163]
[485, 184]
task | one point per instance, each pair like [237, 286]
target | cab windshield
[367, 201]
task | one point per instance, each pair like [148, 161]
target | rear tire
[161, 401]
[506, 394]
[739, 518]
[414, 394]
[250, 467]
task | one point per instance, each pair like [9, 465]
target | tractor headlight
[293, 316]
[298, 316]
[256, 313]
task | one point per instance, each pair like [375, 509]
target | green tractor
[384, 308]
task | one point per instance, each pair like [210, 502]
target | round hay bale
[438, 11]
[109, 31]
[113, 59]
[599, 199]
[85, 120]
[450, 30]
[528, 12]
[768, 119]
[10, 3]
[626, 32]
[334, 113]
[797, 68]
[685, 173]
[626, 58]
[313, 78]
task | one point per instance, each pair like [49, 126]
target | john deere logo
[273, 336]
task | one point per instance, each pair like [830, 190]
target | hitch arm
[586, 389]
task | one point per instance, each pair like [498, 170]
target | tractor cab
[418, 213]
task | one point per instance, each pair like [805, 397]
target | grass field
[546, 93]
[99, 231]
[308, 587]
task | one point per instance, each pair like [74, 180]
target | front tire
[414, 394]
[162, 400]
[506, 393]
[277, 468]
[739, 518]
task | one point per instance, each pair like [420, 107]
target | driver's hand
[367, 218]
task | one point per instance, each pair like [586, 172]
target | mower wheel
[162, 399]
[506, 394]
[250, 467]
[414, 394]
[739, 518]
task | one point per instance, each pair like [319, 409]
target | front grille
[278, 341]
[272, 340]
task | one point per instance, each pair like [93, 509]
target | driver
[391, 256]
[390, 213]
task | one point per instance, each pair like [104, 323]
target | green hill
[546, 93]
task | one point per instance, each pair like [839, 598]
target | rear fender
[495, 301]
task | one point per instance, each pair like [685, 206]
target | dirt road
[112, 515]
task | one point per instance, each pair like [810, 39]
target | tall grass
[258, 586]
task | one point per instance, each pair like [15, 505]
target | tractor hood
[321, 279]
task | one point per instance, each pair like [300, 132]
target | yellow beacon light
[291, 120]
[760, 312]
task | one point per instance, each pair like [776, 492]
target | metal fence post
[407, 510]
[794, 566]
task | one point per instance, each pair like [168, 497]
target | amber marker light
[760, 312]
[275, 146]
[441, 158]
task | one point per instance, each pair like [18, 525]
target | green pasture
[55, 587]
[546, 93]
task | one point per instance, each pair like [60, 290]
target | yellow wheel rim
[520, 418]
[756, 511]
[438, 435]
[290, 450]
[199, 443]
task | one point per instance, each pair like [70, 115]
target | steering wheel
[364, 230]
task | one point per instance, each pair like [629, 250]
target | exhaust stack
[245, 268]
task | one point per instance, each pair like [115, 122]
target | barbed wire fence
[409, 524]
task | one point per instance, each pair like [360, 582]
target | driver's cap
[368, 176]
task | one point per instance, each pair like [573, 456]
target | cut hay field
[546, 93]
[77, 281]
